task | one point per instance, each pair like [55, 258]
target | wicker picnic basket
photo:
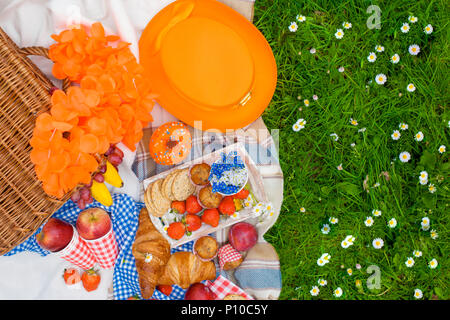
[24, 94]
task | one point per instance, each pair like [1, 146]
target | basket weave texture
[24, 94]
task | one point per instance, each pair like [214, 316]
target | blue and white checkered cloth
[125, 217]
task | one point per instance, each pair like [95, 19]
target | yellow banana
[112, 176]
[101, 193]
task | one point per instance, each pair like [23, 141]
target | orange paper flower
[109, 102]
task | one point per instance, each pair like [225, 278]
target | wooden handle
[42, 52]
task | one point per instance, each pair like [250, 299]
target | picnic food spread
[108, 101]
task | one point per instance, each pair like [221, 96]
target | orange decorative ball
[170, 143]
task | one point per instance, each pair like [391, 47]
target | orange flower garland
[110, 102]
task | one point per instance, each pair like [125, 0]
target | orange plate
[207, 63]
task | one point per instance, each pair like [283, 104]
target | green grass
[309, 158]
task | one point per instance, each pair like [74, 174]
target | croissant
[151, 252]
[185, 268]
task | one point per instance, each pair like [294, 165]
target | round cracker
[161, 203]
[182, 187]
[166, 187]
[148, 201]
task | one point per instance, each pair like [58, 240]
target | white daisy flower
[314, 291]
[423, 181]
[335, 136]
[350, 239]
[431, 188]
[326, 257]
[349, 271]
[249, 201]
[293, 27]
[392, 223]
[347, 25]
[369, 221]
[300, 18]
[312, 50]
[325, 229]
[339, 34]
[339, 167]
[148, 258]
[442, 149]
[337, 292]
[380, 78]
[302, 209]
[315, 97]
[235, 215]
[411, 87]
[345, 244]
[433, 264]
[403, 126]
[353, 122]
[418, 294]
[395, 135]
[352, 144]
[372, 57]
[434, 235]
[428, 29]
[409, 262]
[419, 136]
[423, 175]
[414, 49]
[425, 222]
[395, 58]
[341, 69]
[322, 282]
[362, 129]
[301, 123]
[378, 243]
[404, 156]
[379, 48]
[257, 211]
[376, 212]
[333, 220]
[296, 127]
[413, 19]
[306, 102]
[417, 253]
[405, 27]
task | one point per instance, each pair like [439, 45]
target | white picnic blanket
[28, 275]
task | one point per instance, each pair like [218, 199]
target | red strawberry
[176, 230]
[71, 276]
[243, 194]
[166, 289]
[192, 205]
[211, 217]
[179, 206]
[193, 222]
[90, 279]
[227, 206]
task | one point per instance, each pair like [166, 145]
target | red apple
[93, 223]
[199, 291]
[242, 236]
[55, 235]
